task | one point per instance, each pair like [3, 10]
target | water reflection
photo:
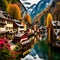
[43, 50]
[46, 51]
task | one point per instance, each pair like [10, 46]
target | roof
[19, 35]
[17, 21]
[1, 15]
[6, 19]
[18, 24]
[55, 23]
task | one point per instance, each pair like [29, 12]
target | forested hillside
[4, 3]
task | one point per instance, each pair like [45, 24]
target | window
[2, 26]
[0, 20]
[6, 28]
[9, 22]
[3, 20]
[11, 27]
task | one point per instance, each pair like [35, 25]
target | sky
[30, 1]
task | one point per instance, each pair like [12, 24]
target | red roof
[23, 38]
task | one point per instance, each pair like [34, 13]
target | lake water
[43, 51]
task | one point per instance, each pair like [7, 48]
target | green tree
[3, 4]
[13, 1]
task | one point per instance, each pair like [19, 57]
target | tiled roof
[17, 21]
[1, 15]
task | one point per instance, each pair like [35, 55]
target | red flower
[4, 42]
[1, 48]
[14, 54]
[8, 46]
[5, 39]
[1, 43]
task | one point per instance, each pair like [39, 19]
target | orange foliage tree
[49, 19]
[28, 18]
[14, 11]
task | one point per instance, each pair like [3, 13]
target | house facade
[18, 26]
[2, 25]
[9, 25]
[6, 25]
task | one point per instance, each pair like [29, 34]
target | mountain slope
[29, 4]
[41, 5]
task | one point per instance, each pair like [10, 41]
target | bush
[6, 53]
[4, 49]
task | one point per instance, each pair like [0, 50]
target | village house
[6, 25]
[19, 26]
[10, 26]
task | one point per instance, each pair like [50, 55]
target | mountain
[29, 9]
[41, 5]
[29, 4]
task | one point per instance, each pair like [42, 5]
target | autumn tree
[49, 19]
[48, 24]
[28, 18]
[14, 11]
